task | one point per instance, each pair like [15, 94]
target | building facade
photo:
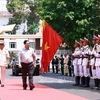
[15, 42]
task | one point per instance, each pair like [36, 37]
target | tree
[72, 19]
[21, 11]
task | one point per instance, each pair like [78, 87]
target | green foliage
[22, 10]
[72, 19]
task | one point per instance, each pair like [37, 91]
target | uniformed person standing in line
[97, 62]
[80, 64]
[75, 63]
[86, 61]
[92, 61]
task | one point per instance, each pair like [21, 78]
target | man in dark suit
[62, 64]
[56, 64]
[53, 65]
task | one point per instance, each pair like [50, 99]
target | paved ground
[62, 83]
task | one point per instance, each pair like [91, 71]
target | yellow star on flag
[46, 47]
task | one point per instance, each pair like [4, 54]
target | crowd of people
[83, 64]
[62, 64]
[86, 62]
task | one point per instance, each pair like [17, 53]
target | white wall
[19, 43]
[4, 20]
[3, 5]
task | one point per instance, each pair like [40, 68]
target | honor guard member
[75, 63]
[86, 62]
[27, 60]
[80, 63]
[97, 62]
[92, 61]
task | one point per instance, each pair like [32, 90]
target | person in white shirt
[27, 60]
[75, 63]
[86, 62]
[4, 58]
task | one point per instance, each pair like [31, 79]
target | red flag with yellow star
[51, 43]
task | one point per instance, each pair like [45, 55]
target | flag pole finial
[43, 23]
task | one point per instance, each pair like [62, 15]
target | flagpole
[72, 49]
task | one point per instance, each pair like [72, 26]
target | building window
[12, 44]
[32, 45]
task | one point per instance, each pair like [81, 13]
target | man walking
[27, 60]
[4, 58]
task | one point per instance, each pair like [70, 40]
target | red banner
[51, 43]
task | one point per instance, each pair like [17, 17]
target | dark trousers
[53, 69]
[90, 69]
[69, 70]
[49, 68]
[57, 69]
[62, 69]
[27, 69]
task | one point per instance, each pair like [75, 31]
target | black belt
[27, 63]
[85, 57]
[76, 57]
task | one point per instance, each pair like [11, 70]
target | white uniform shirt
[93, 52]
[86, 51]
[4, 54]
[80, 56]
[26, 55]
[97, 55]
[75, 54]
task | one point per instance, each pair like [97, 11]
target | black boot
[77, 79]
[82, 81]
[87, 82]
[97, 85]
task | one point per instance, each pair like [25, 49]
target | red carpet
[13, 91]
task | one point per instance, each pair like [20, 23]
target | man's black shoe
[24, 88]
[86, 86]
[81, 85]
[2, 85]
[97, 88]
[32, 87]
[75, 84]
